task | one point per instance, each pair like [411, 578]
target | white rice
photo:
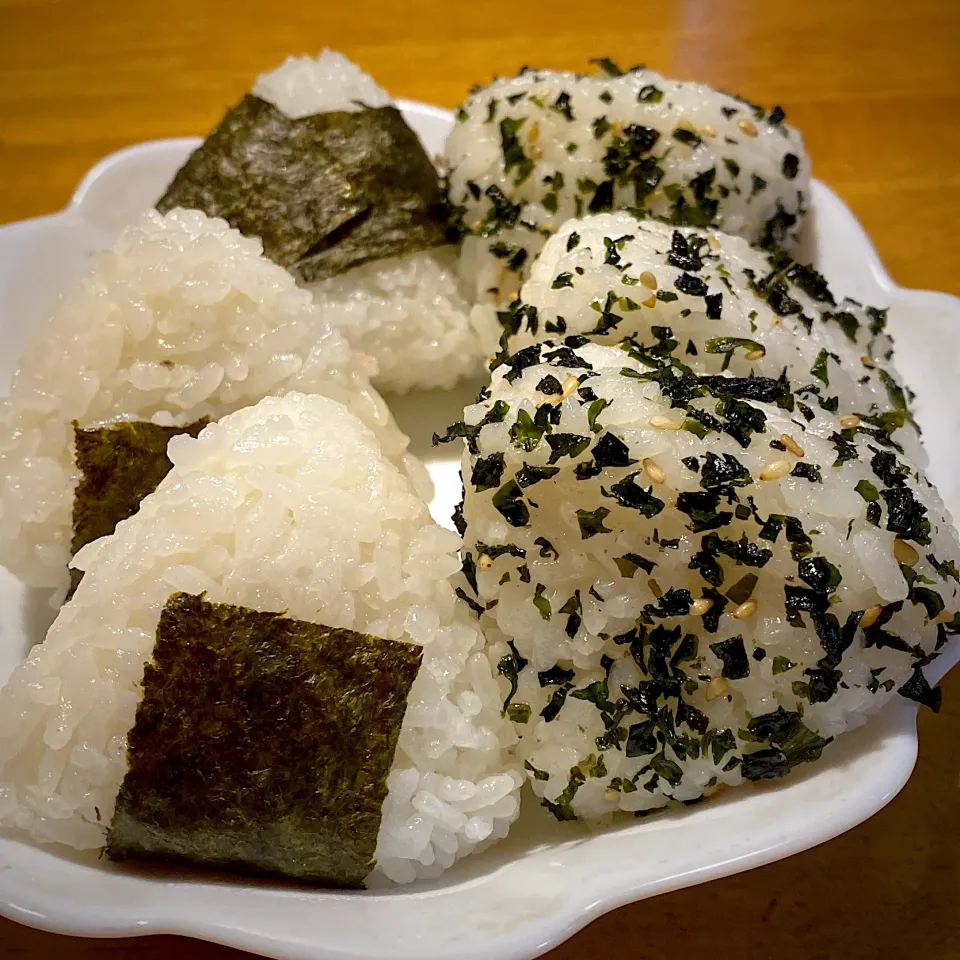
[410, 314]
[240, 518]
[563, 132]
[182, 319]
[567, 595]
[784, 314]
[302, 86]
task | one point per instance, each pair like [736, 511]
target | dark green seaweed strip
[324, 193]
[386, 162]
[270, 177]
[262, 744]
[119, 465]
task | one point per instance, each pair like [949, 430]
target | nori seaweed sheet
[388, 164]
[262, 744]
[119, 465]
[324, 193]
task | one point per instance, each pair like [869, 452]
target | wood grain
[875, 86]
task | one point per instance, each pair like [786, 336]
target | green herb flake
[487, 472]
[519, 712]
[782, 665]
[819, 368]
[591, 522]
[526, 433]
[510, 666]
[687, 137]
[513, 153]
[566, 445]
[629, 563]
[733, 655]
[508, 500]
[918, 689]
[541, 602]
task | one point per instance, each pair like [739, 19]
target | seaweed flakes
[324, 193]
[262, 744]
[119, 465]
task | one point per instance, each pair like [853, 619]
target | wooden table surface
[874, 86]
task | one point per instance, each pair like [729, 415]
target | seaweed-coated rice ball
[685, 580]
[529, 152]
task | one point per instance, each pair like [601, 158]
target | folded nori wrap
[324, 193]
[119, 465]
[262, 744]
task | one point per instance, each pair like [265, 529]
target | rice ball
[531, 151]
[686, 580]
[286, 506]
[728, 306]
[182, 319]
[411, 314]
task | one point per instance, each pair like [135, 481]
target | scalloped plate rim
[531, 936]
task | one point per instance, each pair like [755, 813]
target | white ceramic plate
[547, 880]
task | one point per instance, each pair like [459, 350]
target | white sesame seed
[653, 470]
[534, 131]
[611, 795]
[775, 470]
[709, 130]
[699, 607]
[536, 152]
[746, 610]
[484, 563]
[648, 280]
[867, 361]
[651, 301]
[717, 687]
[664, 423]
[685, 124]
[569, 385]
[748, 127]
[713, 241]
[904, 553]
[871, 615]
[849, 420]
[755, 354]
[791, 444]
